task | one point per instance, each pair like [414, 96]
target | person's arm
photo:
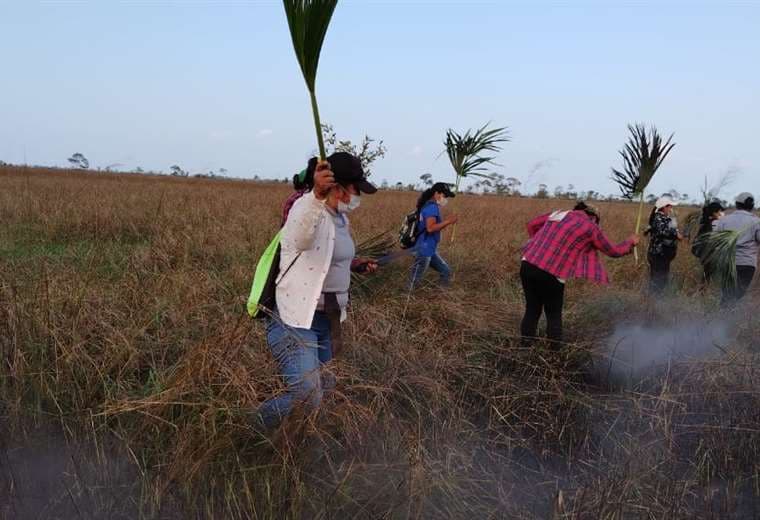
[603, 244]
[535, 225]
[431, 226]
[301, 226]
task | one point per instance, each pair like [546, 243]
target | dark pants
[659, 273]
[543, 294]
[744, 276]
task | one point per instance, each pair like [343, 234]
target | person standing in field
[429, 227]
[744, 221]
[562, 245]
[663, 243]
[317, 253]
[711, 213]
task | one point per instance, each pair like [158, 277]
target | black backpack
[408, 234]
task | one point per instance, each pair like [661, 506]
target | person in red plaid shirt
[562, 245]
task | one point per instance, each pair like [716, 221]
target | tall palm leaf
[308, 21]
[642, 155]
[465, 151]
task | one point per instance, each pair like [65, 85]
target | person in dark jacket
[711, 213]
[663, 243]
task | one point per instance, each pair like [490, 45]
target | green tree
[368, 150]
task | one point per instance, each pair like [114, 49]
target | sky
[210, 85]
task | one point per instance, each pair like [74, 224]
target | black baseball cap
[443, 187]
[347, 169]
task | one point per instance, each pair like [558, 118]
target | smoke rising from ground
[637, 349]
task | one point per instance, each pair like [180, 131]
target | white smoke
[636, 350]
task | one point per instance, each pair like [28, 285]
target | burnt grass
[129, 368]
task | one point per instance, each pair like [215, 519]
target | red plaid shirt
[569, 248]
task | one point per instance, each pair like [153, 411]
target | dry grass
[122, 320]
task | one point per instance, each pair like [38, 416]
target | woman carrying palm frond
[429, 227]
[744, 222]
[562, 245]
[312, 292]
[663, 243]
[710, 214]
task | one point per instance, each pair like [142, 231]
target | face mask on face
[443, 201]
[351, 205]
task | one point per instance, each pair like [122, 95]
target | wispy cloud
[264, 132]
[416, 150]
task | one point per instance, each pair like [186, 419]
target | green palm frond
[642, 155]
[372, 248]
[718, 255]
[308, 21]
[465, 151]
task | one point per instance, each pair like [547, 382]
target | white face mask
[354, 203]
[443, 201]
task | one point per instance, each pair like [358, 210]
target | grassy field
[128, 366]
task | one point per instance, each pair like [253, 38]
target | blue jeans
[421, 263]
[300, 353]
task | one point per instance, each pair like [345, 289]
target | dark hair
[425, 196]
[708, 210]
[747, 205]
[591, 211]
[308, 181]
[651, 216]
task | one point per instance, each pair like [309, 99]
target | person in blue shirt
[429, 226]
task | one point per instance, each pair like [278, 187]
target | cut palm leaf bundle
[308, 21]
[376, 246]
[642, 155]
[372, 248]
[718, 255]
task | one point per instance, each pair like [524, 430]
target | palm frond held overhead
[308, 21]
[642, 155]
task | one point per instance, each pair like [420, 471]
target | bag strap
[282, 275]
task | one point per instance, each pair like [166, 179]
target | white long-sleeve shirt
[307, 246]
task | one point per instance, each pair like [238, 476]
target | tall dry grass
[123, 330]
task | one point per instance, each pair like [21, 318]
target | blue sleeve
[430, 210]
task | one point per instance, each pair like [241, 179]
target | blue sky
[216, 85]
